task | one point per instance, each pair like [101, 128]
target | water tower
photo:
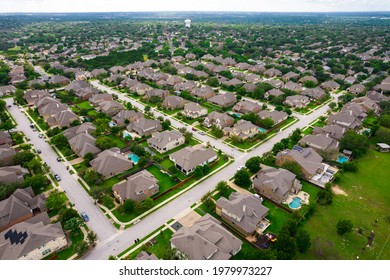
[188, 23]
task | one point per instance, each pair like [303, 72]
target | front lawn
[160, 244]
[76, 238]
[367, 199]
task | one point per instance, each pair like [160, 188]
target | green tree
[223, 189]
[383, 135]
[143, 161]
[198, 172]
[92, 177]
[253, 164]
[325, 197]
[88, 158]
[66, 214]
[56, 200]
[355, 142]
[303, 240]
[216, 131]
[22, 158]
[285, 246]
[60, 141]
[344, 227]
[73, 224]
[242, 178]
[7, 125]
[38, 183]
[104, 142]
[148, 203]
[34, 165]
[267, 123]
[82, 247]
[293, 167]
[128, 206]
[98, 191]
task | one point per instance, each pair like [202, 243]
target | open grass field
[85, 105]
[368, 199]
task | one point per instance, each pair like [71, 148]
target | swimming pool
[342, 159]
[262, 130]
[295, 203]
[134, 158]
[126, 134]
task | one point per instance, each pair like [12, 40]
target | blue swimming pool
[295, 203]
[342, 159]
[262, 130]
[134, 158]
[126, 134]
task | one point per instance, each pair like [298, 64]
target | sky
[30, 6]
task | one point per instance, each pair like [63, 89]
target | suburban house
[242, 129]
[20, 206]
[146, 256]
[246, 106]
[130, 115]
[186, 86]
[63, 118]
[188, 158]
[33, 95]
[293, 86]
[97, 98]
[206, 239]
[290, 75]
[320, 142]
[356, 89]
[194, 110]
[297, 101]
[82, 128]
[111, 162]
[12, 174]
[335, 131]
[173, 102]
[166, 140]
[366, 104]
[345, 119]
[307, 158]
[97, 72]
[276, 116]
[272, 72]
[32, 239]
[7, 90]
[110, 108]
[156, 93]
[276, 183]
[307, 79]
[314, 93]
[83, 143]
[59, 80]
[6, 156]
[140, 88]
[273, 92]
[144, 127]
[330, 85]
[223, 100]
[220, 120]
[203, 92]
[137, 187]
[5, 139]
[242, 211]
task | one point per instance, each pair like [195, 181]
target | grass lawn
[123, 216]
[276, 216]
[165, 181]
[211, 107]
[84, 105]
[302, 110]
[92, 113]
[80, 167]
[108, 202]
[120, 143]
[38, 119]
[188, 120]
[166, 163]
[76, 238]
[170, 112]
[307, 131]
[367, 199]
[110, 182]
[159, 248]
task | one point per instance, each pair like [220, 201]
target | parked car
[57, 177]
[31, 125]
[240, 167]
[40, 135]
[9, 106]
[59, 159]
[84, 216]
[39, 151]
[201, 132]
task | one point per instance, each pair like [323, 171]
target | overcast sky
[192, 5]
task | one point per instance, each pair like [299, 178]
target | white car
[240, 167]
[40, 135]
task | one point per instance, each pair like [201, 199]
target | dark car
[39, 151]
[59, 159]
[84, 216]
[57, 177]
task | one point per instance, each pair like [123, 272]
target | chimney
[244, 208]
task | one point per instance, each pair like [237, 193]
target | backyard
[366, 199]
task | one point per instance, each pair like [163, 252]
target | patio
[304, 196]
